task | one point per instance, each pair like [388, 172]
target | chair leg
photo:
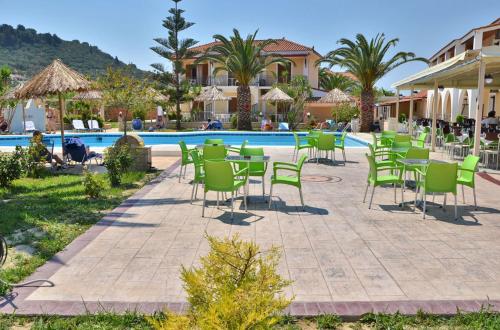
[185, 170]
[456, 215]
[395, 191]
[301, 199]
[425, 204]
[203, 207]
[402, 195]
[217, 199]
[180, 174]
[366, 191]
[192, 192]
[463, 194]
[263, 188]
[232, 203]
[245, 199]
[416, 198]
[270, 196]
[474, 193]
[444, 202]
[196, 192]
[371, 198]
[343, 154]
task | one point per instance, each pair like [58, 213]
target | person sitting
[205, 126]
[490, 120]
[78, 151]
[37, 140]
[266, 125]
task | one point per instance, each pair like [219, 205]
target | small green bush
[11, 166]
[35, 159]
[94, 185]
[117, 160]
[328, 321]
[402, 118]
[236, 287]
[460, 119]
[344, 112]
[172, 115]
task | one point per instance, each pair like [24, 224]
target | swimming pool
[191, 138]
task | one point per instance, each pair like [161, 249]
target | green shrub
[328, 321]
[344, 112]
[11, 166]
[236, 287]
[234, 121]
[172, 115]
[117, 160]
[402, 118]
[94, 185]
[35, 159]
[460, 119]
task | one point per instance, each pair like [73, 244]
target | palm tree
[245, 60]
[330, 80]
[366, 60]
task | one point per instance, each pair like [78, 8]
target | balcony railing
[261, 80]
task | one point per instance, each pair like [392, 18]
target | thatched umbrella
[91, 95]
[335, 96]
[276, 95]
[57, 78]
[212, 94]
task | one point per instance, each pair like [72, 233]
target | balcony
[263, 80]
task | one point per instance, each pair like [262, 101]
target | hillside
[26, 52]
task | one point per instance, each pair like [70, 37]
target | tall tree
[330, 80]
[245, 59]
[368, 61]
[175, 50]
[299, 90]
[5, 78]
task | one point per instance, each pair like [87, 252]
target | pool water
[191, 138]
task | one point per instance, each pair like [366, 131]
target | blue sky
[126, 28]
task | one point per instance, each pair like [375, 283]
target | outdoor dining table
[248, 160]
[201, 146]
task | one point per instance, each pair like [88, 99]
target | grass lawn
[481, 320]
[41, 216]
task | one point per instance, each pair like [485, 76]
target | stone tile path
[341, 256]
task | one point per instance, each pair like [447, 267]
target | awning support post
[434, 112]
[410, 117]
[479, 109]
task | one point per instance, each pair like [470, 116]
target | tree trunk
[178, 106]
[366, 113]
[244, 100]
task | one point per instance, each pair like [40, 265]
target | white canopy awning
[460, 71]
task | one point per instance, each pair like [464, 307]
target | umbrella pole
[61, 118]
[24, 118]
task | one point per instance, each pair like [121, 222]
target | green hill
[26, 52]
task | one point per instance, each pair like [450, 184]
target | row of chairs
[317, 142]
[93, 125]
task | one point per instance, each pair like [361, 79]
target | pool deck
[342, 257]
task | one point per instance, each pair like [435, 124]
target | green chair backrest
[401, 144]
[387, 138]
[217, 152]
[439, 132]
[297, 139]
[441, 177]
[450, 137]
[372, 174]
[184, 152]
[469, 164]
[326, 142]
[300, 163]
[374, 139]
[372, 150]
[218, 176]
[198, 164]
[422, 137]
[417, 153]
[402, 138]
[254, 166]
[214, 141]
[342, 139]
[389, 133]
[427, 129]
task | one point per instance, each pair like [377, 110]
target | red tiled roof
[417, 96]
[281, 45]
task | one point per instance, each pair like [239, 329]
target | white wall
[32, 113]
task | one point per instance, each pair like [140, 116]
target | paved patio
[341, 256]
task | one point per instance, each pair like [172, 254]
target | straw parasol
[211, 94]
[90, 95]
[335, 96]
[57, 78]
[277, 95]
[157, 96]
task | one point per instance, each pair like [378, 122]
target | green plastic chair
[414, 153]
[450, 141]
[341, 145]
[376, 143]
[299, 145]
[220, 177]
[214, 141]
[386, 157]
[440, 178]
[466, 175]
[199, 175]
[257, 169]
[402, 138]
[286, 179]
[387, 138]
[375, 180]
[236, 149]
[420, 141]
[211, 152]
[185, 159]
[326, 143]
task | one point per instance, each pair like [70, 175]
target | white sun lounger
[78, 125]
